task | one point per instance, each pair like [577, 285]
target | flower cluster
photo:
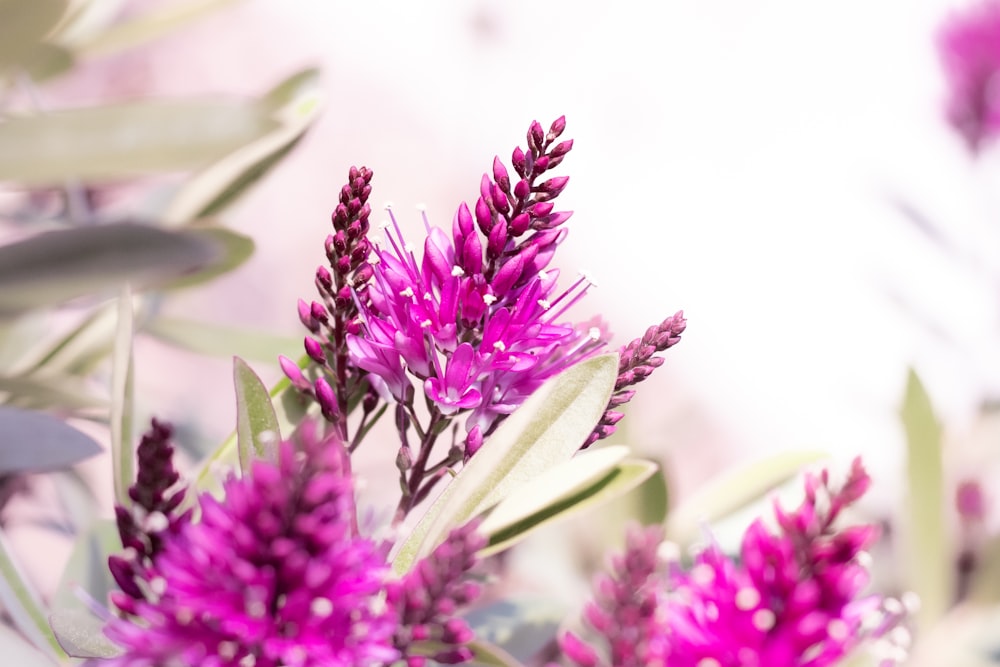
[793, 597]
[969, 45]
[277, 574]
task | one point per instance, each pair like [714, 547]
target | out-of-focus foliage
[78, 281]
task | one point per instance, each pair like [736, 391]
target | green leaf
[122, 454]
[297, 102]
[64, 393]
[23, 25]
[219, 340]
[622, 478]
[545, 431]
[232, 249]
[33, 442]
[257, 429]
[81, 634]
[519, 625]
[87, 567]
[84, 346]
[486, 654]
[927, 546]
[18, 651]
[732, 491]
[149, 26]
[22, 602]
[124, 140]
[289, 409]
[54, 267]
[46, 61]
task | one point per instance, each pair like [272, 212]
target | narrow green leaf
[35, 442]
[486, 654]
[16, 650]
[622, 478]
[46, 61]
[54, 267]
[231, 250]
[257, 429]
[519, 625]
[81, 634]
[122, 454]
[928, 548]
[564, 479]
[732, 491]
[121, 141]
[83, 346]
[297, 102]
[22, 602]
[23, 25]
[220, 340]
[150, 26]
[545, 431]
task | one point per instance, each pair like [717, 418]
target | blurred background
[783, 171]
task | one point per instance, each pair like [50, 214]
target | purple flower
[969, 46]
[477, 319]
[274, 574]
[793, 597]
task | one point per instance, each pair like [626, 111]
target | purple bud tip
[326, 398]
[293, 372]
[315, 350]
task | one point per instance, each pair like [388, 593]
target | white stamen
[747, 598]
[156, 522]
[911, 601]
[708, 662]
[158, 585]
[387, 206]
[457, 272]
[408, 292]
[500, 346]
[594, 333]
[489, 299]
[543, 275]
[227, 649]
[184, 616]
[703, 574]
[544, 303]
[763, 619]
[838, 630]
[422, 208]
[589, 278]
[321, 607]
[426, 324]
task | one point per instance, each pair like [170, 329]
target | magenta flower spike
[969, 46]
[273, 574]
[793, 597]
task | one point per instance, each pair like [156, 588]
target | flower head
[274, 574]
[969, 45]
[793, 597]
[477, 319]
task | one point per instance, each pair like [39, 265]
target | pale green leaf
[85, 345]
[486, 654]
[734, 490]
[123, 140]
[289, 410]
[545, 431]
[220, 340]
[149, 26]
[232, 249]
[33, 442]
[22, 602]
[257, 429]
[46, 61]
[122, 451]
[296, 102]
[81, 634]
[16, 650]
[23, 25]
[63, 393]
[87, 567]
[621, 479]
[54, 267]
[927, 546]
